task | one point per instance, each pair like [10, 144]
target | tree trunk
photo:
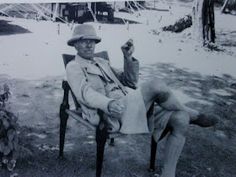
[208, 21]
[204, 21]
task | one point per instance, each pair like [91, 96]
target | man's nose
[89, 44]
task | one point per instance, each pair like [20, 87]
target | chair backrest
[67, 58]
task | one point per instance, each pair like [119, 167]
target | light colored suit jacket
[85, 81]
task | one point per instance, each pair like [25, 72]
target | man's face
[85, 48]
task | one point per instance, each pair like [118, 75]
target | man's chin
[88, 57]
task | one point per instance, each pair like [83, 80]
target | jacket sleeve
[83, 90]
[128, 77]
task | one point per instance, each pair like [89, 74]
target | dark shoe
[206, 120]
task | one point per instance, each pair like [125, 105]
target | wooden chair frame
[101, 130]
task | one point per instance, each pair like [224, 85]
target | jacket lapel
[108, 71]
[89, 66]
[92, 69]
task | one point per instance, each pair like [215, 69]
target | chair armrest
[77, 114]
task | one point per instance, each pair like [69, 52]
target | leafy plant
[8, 133]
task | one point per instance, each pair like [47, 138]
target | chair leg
[63, 123]
[112, 142]
[153, 155]
[164, 133]
[101, 137]
[154, 148]
[63, 116]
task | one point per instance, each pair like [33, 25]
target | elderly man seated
[99, 86]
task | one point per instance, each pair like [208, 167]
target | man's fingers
[128, 44]
[119, 109]
[117, 112]
[130, 41]
[124, 47]
[116, 108]
[130, 51]
[119, 104]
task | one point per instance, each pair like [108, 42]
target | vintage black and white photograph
[118, 88]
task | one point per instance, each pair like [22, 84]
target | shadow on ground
[7, 28]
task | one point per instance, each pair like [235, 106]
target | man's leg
[178, 122]
[156, 90]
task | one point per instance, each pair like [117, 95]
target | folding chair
[101, 130]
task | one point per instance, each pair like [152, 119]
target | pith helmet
[83, 31]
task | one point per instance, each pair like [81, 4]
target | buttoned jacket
[84, 77]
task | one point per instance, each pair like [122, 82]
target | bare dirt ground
[209, 152]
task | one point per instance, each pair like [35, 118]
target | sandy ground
[203, 80]
[37, 53]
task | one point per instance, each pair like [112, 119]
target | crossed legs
[157, 91]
